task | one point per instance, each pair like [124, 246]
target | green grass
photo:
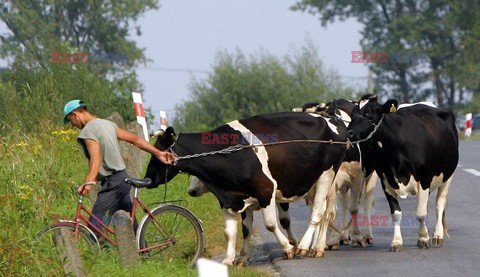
[39, 174]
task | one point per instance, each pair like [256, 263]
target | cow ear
[390, 106]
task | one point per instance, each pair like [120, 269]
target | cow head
[368, 114]
[197, 187]
[159, 172]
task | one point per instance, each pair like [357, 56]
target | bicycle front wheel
[171, 232]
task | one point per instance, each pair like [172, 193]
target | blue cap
[70, 107]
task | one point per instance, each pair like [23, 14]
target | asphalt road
[460, 255]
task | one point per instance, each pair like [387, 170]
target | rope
[240, 147]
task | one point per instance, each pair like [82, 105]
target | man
[99, 141]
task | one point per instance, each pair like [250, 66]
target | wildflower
[66, 134]
[21, 144]
[36, 148]
[25, 192]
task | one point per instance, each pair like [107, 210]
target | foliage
[240, 87]
[446, 31]
[39, 175]
[39, 27]
[33, 99]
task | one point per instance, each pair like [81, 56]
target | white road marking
[472, 171]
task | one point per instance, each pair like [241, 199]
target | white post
[468, 125]
[163, 120]
[208, 268]
[138, 106]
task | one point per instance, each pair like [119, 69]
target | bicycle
[167, 231]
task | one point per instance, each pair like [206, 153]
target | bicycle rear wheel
[175, 234]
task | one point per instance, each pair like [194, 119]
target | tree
[443, 30]
[40, 27]
[240, 87]
[34, 89]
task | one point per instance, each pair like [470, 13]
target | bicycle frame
[79, 217]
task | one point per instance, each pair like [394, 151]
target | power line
[202, 71]
[177, 70]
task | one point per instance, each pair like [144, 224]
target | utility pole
[371, 82]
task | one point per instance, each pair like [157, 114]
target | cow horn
[157, 133]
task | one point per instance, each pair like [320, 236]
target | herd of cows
[338, 148]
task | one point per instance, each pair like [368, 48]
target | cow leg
[270, 220]
[284, 217]
[422, 211]
[230, 232]
[337, 239]
[441, 205]
[397, 242]
[321, 190]
[369, 201]
[247, 222]
[355, 194]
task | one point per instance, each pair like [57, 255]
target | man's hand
[85, 188]
[165, 157]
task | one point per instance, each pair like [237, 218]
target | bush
[32, 99]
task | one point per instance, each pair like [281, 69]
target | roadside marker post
[163, 120]
[468, 125]
[140, 112]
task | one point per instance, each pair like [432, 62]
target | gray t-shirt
[105, 133]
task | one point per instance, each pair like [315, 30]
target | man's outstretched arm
[163, 156]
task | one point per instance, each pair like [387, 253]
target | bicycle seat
[139, 183]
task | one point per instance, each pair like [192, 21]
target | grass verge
[39, 174]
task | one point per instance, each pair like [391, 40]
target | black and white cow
[414, 152]
[198, 188]
[259, 177]
[352, 183]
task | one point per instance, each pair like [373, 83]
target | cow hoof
[334, 246]
[396, 248]
[302, 252]
[369, 241]
[287, 255]
[423, 244]
[227, 262]
[359, 243]
[344, 241]
[318, 254]
[241, 263]
[437, 242]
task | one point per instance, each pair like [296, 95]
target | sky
[182, 38]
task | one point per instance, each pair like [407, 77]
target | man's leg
[127, 205]
[106, 201]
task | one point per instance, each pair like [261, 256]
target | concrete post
[68, 252]
[125, 238]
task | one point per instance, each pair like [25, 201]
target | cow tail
[331, 209]
[444, 223]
